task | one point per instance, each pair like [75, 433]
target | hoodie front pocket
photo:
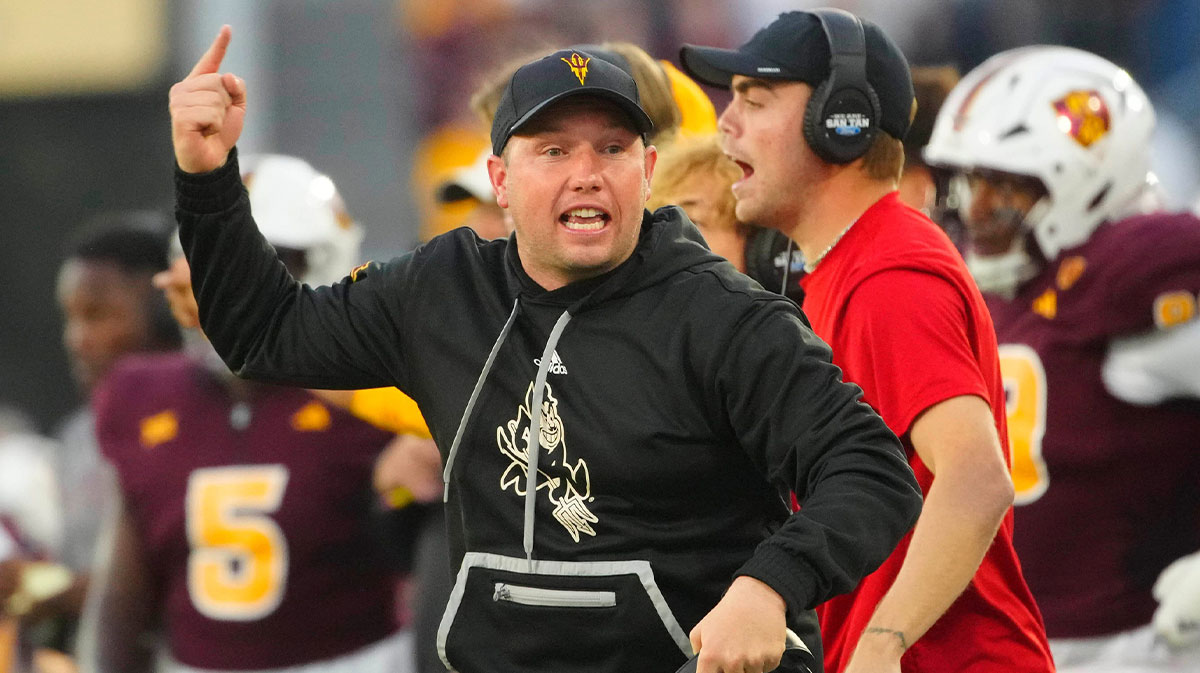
[510, 614]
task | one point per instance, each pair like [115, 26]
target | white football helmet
[299, 208]
[1069, 118]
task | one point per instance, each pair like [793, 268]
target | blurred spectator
[695, 175]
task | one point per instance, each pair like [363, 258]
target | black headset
[843, 114]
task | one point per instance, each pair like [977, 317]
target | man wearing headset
[818, 138]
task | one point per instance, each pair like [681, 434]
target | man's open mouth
[584, 219]
[747, 169]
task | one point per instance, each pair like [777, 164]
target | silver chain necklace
[809, 267]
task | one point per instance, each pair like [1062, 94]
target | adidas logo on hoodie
[556, 364]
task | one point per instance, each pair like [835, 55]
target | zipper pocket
[553, 598]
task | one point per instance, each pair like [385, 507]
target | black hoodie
[681, 404]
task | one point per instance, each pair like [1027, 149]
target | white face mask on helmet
[299, 208]
[1072, 120]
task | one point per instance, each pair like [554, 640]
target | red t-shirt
[906, 322]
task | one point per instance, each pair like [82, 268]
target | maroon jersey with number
[1107, 491]
[255, 515]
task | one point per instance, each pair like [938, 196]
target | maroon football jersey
[1107, 490]
[255, 515]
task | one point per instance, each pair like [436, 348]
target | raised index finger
[211, 60]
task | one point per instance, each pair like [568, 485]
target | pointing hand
[207, 111]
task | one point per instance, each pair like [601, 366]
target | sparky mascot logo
[1083, 115]
[578, 65]
[566, 482]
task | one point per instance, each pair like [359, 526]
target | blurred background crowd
[376, 92]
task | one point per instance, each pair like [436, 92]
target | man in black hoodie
[671, 403]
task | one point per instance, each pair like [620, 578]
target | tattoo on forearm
[899, 634]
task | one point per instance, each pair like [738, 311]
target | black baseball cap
[794, 47]
[570, 72]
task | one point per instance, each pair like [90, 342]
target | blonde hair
[689, 157]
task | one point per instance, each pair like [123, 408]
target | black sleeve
[810, 432]
[264, 323]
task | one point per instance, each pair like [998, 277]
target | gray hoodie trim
[466, 416]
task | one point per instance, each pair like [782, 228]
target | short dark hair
[136, 241]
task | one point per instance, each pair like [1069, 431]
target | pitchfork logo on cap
[579, 65]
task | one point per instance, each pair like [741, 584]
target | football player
[247, 527]
[1094, 291]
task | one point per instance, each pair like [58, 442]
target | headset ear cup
[814, 119]
[825, 103]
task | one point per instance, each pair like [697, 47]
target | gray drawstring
[533, 442]
[462, 423]
[533, 446]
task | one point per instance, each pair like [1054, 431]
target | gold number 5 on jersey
[237, 569]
